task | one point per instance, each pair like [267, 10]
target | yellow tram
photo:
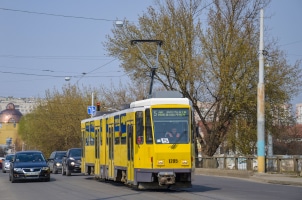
[132, 145]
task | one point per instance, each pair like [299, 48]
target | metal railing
[277, 164]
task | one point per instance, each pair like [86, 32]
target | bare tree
[115, 97]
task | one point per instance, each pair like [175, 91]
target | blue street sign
[91, 110]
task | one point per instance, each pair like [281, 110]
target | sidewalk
[283, 179]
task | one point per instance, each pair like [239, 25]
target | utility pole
[261, 103]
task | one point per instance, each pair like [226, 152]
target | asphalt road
[80, 187]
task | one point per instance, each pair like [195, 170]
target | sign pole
[92, 105]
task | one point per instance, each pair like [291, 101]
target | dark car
[55, 161]
[71, 162]
[28, 165]
[6, 162]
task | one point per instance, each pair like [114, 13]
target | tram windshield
[171, 125]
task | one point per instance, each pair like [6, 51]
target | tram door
[110, 140]
[130, 151]
[97, 150]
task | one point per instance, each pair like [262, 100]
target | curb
[281, 179]
[224, 172]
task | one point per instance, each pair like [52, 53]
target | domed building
[9, 119]
[10, 114]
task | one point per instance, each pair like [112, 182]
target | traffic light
[98, 106]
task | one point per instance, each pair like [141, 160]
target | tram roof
[138, 105]
[160, 101]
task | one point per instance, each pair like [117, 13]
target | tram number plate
[173, 161]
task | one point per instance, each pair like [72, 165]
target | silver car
[6, 162]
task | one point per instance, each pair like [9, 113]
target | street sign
[91, 110]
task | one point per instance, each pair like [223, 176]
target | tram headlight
[160, 162]
[184, 162]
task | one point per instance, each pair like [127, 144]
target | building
[11, 111]
[24, 105]
[9, 119]
[299, 113]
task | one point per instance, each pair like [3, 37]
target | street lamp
[119, 23]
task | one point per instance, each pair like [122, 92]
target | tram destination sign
[170, 112]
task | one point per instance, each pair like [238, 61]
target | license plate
[32, 173]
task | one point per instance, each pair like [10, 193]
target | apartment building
[24, 105]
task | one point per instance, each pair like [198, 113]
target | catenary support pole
[261, 103]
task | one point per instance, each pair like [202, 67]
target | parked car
[55, 161]
[242, 165]
[71, 162]
[27, 165]
[6, 162]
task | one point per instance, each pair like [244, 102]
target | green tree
[55, 122]
[214, 64]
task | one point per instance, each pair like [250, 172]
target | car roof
[28, 151]
[75, 149]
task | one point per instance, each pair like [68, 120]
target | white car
[242, 165]
[6, 162]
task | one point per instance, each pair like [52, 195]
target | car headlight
[72, 163]
[58, 164]
[45, 168]
[18, 169]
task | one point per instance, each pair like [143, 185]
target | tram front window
[171, 125]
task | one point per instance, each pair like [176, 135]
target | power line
[101, 66]
[58, 57]
[295, 42]
[56, 15]
[56, 76]
[20, 73]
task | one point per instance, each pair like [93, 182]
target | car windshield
[75, 152]
[29, 157]
[9, 157]
[60, 155]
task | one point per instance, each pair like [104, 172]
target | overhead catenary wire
[57, 15]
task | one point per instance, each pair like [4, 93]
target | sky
[43, 42]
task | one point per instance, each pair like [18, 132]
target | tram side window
[148, 127]
[139, 127]
[87, 138]
[91, 139]
[101, 139]
[117, 134]
[123, 129]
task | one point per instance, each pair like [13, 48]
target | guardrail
[277, 164]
